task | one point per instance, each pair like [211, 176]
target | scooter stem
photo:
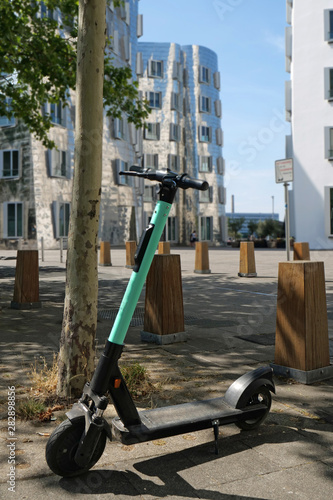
[144, 256]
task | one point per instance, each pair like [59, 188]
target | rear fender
[241, 390]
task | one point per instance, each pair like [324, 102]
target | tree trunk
[77, 343]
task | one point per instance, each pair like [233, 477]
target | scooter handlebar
[182, 181]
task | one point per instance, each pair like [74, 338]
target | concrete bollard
[247, 264]
[105, 254]
[164, 310]
[26, 288]
[164, 247]
[201, 258]
[301, 339]
[130, 253]
[301, 251]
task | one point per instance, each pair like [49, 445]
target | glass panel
[7, 163]
[63, 163]
[19, 219]
[208, 228]
[203, 228]
[15, 165]
[331, 24]
[11, 219]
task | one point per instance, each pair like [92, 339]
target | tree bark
[77, 343]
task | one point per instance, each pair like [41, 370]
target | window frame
[203, 225]
[204, 75]
[6, 221]
[152, 131]
[153, 72]
[4, 120]
[12, 175]
[207, 134]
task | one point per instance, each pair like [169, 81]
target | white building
[309, 108]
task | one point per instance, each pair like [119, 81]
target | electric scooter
[78, 442]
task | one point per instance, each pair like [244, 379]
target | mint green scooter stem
[137, 280]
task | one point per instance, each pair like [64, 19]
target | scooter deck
[178, 419]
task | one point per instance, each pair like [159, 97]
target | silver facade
[182, 84]
[38, 194]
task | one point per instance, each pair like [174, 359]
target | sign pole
[284, 173]
[287, 226]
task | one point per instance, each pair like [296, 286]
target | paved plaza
[230, 324]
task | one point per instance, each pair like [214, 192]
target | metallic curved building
[182, 84]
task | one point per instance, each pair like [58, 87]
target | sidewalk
[230, 323]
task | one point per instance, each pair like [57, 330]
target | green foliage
[252, 227]
[235, 225]
[38, 65]
[270, 227]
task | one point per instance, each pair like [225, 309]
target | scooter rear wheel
[62, 445]
[260, 396]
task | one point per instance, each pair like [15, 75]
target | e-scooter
[78, 443]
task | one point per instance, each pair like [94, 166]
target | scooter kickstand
[215, 424]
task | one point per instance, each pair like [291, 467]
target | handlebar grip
[188, 182]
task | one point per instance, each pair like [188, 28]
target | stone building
[36, 184]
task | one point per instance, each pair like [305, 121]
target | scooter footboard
[243, 388]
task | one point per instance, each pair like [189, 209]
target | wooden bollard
[130, 252]
[301, 339]
[164, 310]
[164, 247]
[26, 288]
[247, 264]
[105, 254]
[201, 258]
[301, 251]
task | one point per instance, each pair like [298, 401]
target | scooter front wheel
[62, 445]
[259, 396]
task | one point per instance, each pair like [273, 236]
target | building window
[64, 213]
[9, 164]
[13, 220]
[149, 194]
[6, 121]
[205, 133]
[154, 99]
[152, 131]
[330, 89]
[206, 196]
[119, 128]
[205, 163]
[204, 75]
[122, 180]
[220, 165]
[175, 132]
[328, 83]
[57, 113]
[328, 22]
[155, 69]
[206, 228]
[204, 104]
[61, 213]
[175, 101]
[329, 143]
[174, 162]
[59, 163]
[150, 160]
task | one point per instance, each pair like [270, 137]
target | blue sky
[248, 37]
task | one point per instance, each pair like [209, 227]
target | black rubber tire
[262, 396]
[62, 445]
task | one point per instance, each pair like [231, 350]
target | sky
[248, 38]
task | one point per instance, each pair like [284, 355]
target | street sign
[284, 171]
